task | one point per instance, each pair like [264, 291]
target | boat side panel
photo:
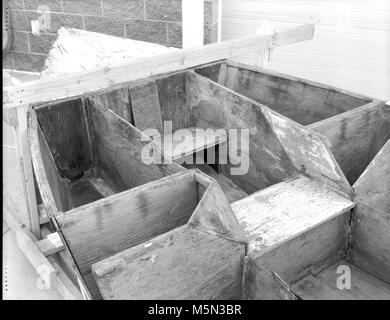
[370, 245]
[65, 130]
[310, 251]
[352, 137]
[108, 226]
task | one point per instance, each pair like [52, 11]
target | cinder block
[131, 9]
[19, 41]
[163, 10]
[175, 34]
[151, 31]
[15, 4]
[87, 7]
[54, 5]
[20, 19]
[8, 61]
[114, 27]
[64, 20]
[29, 61]
[42, 43]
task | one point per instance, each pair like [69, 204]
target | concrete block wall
[158, 21]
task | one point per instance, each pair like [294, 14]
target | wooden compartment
[277, 147]
[83, 152]
[356, 126]
[173, 238]
[305, 256]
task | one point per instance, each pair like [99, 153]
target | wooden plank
[373, 186]
[187, 141]
[301, 100]
[265, 285]
[118, 101]
[351, 136]
[51, 187]
[43, 217]
[309, 252]
[310, 154]
[146, 107]
[65, 131]
[25, 162]
[173, 104]
[214, 214]
[283, 211]
[123, 220]
[51, 244]
[87, 81]
[185, 263]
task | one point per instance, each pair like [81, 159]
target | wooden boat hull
[87, 159]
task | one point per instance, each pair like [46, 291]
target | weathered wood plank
[310, 252]
[95, 79]
[118, 101]
[51, 244]
[301, 100]
[185, 142]
[283, 211]
[214, 106]
[52, 188]
[185, 263]
[173, 103]
[373, 186]
[265, 285]
[351, 135]
[214, 214]
[146, 107]
[65, 130]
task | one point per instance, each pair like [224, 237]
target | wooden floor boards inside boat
[323, 286]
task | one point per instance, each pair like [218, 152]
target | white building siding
[351, 45]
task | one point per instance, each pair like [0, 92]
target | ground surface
[19, 277]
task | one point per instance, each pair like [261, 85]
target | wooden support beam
[24, 160]
[95, 79]
[50, 245]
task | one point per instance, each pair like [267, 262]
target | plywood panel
[183, 264]
[64, 126]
